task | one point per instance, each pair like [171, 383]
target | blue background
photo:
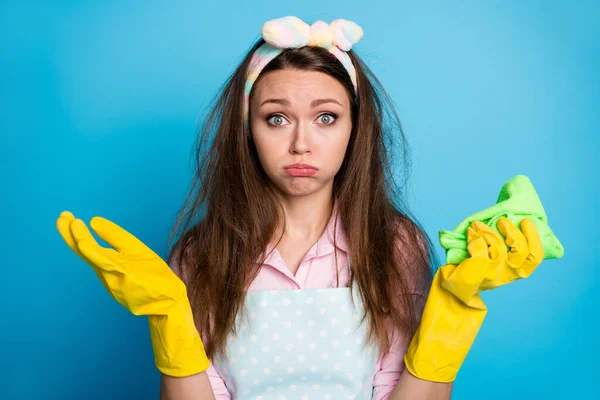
[100, 103]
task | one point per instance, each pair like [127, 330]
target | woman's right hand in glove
[143, 283]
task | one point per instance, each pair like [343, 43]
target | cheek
[336, 151]
[267, 151]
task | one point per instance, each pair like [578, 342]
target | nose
[301, 138]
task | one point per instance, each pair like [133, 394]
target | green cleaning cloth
[517, 200]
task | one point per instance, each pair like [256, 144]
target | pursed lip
[300, 166]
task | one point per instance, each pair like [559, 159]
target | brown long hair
[216, 253]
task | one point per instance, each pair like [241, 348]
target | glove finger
[117, 237]
[534, 242]
[477, 247]
[63, 223]
[491, 236]
[495, 242]
[472, 233]
[80, 232]
[98, 256]
[515, 240]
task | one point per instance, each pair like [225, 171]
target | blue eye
[329, 119]
[278, 118]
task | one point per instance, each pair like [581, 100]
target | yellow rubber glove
[143, 283]
[454, 310]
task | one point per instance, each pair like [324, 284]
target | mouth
[300, 170]
[300, 166]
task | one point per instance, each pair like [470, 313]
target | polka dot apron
[300, 344]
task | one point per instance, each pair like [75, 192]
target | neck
[306, 217]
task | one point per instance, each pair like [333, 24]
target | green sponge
[517, 200]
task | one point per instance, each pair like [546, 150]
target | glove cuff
[445, 335]
[178, 349]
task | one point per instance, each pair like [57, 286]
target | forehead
[297, 84]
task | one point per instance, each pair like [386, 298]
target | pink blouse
[317, 270]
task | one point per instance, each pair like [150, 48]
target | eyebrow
[313, 104]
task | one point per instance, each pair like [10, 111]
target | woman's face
[300, 117]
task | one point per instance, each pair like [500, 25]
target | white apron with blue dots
[300, 344]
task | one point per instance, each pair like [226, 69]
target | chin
[292, 187]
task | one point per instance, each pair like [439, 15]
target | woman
[303, 279]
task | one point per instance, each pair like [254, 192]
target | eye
[277, 119]
[328, 118]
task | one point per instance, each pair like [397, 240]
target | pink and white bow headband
[291, 32]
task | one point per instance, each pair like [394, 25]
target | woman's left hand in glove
[492, 264]
[454, 311]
